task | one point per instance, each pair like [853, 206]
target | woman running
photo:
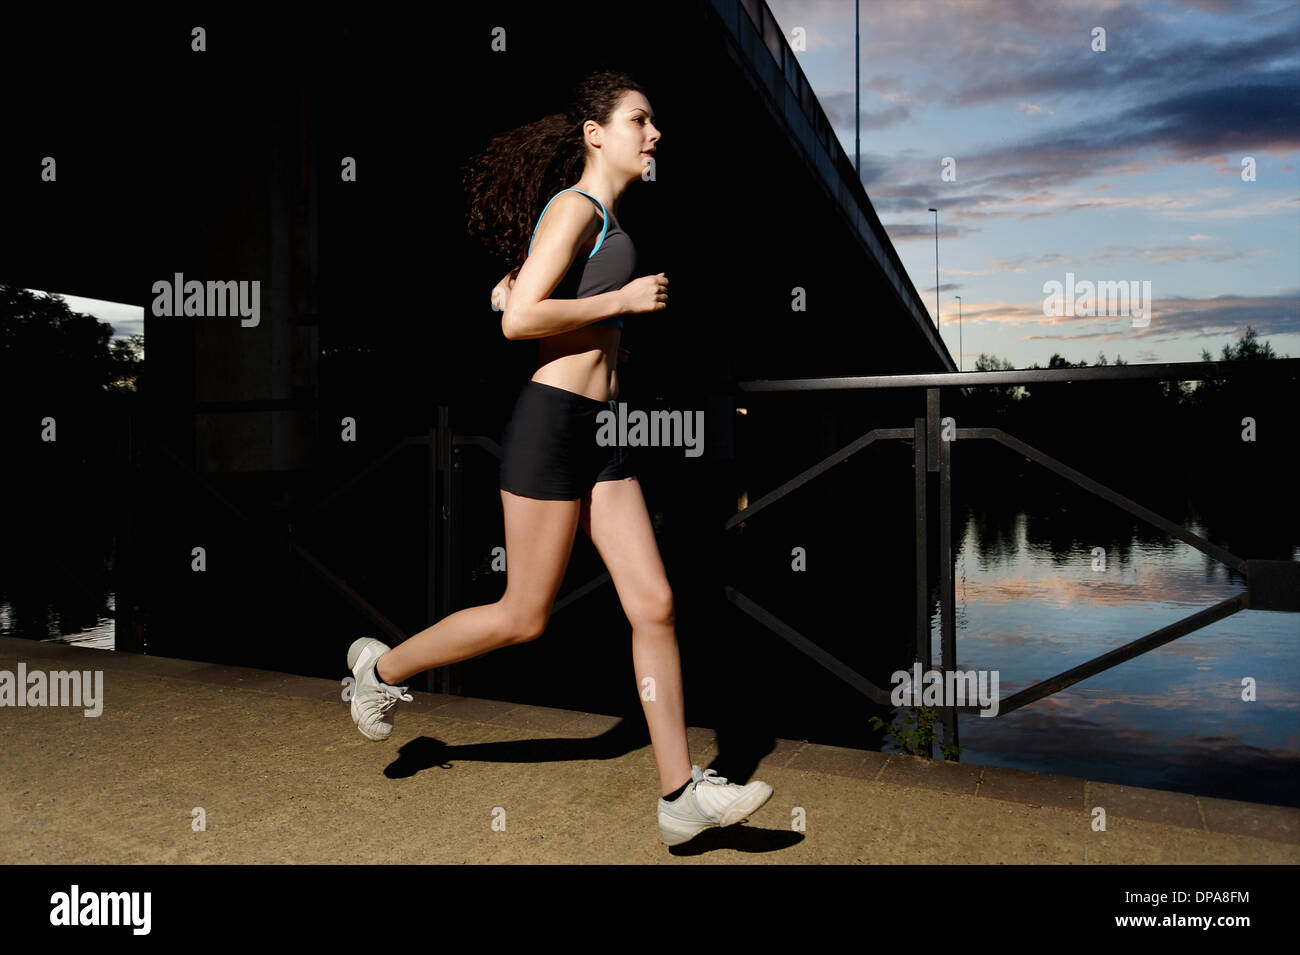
[569, 291]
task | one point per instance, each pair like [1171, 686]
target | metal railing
[1271, 584]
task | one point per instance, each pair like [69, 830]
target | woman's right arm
[530, 311]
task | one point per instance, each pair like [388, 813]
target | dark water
[1173, 718]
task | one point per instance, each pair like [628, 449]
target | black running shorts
[549, 448]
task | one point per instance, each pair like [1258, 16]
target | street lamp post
[936, 266]
[959, 368]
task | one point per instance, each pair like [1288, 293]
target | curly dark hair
[508, 181]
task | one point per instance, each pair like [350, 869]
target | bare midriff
[584, 361]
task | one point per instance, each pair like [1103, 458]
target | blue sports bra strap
[603, 228]
[603, 214]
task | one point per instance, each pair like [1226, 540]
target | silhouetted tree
[1247, 348]
[1003, 395]
[127, 356]
[48, 351]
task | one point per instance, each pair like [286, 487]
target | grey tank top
[609, 265]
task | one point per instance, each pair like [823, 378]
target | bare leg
[614, 515]
[539, 540]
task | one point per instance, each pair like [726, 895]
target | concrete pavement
[281, 775]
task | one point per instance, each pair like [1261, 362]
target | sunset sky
[1117, 165]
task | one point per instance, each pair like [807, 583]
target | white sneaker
[709, 800]
[372, 699]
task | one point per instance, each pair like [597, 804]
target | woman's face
[629, 139]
